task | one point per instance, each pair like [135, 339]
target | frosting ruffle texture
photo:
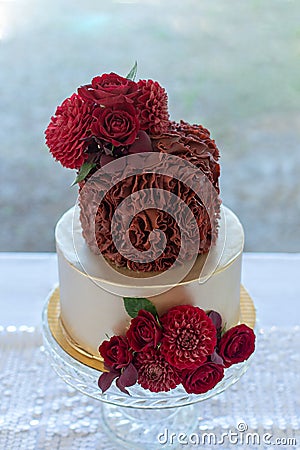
[159, 201]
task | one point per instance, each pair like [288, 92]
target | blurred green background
[232, 66]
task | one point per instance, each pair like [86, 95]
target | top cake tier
[138, 219]
[169, 184]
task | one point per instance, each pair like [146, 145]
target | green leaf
[133, 305]
[224, 329]
[132, 74]
[83, 172]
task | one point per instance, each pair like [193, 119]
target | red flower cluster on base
[185, 345]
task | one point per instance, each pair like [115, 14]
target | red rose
[109, 89]
[67, 132]
[144, 331]
[116, 124]
[236, 345]
[189, 336]
[202, 379]
[115, 352]
[152, 104]
[154, 372]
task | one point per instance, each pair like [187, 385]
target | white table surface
[272, 279]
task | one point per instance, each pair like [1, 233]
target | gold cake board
[247, 316]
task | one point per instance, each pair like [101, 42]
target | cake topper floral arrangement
[104, 119]
[184, 345]
[115, 116]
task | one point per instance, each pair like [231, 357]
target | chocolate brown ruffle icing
[189, 142]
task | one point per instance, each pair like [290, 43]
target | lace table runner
[39, 411]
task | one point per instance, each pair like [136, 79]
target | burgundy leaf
[215, 358]
[216, 319]
[121, 387]
[106, 379]
[129, 376]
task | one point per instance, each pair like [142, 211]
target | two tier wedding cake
[149, 259]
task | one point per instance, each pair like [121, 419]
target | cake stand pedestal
[143, 419]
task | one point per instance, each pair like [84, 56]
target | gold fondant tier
[247, 316]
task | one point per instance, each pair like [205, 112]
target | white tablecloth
[38, 411]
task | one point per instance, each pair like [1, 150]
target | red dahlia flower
[154, 372]
[152, 105]
[67, 132]
[189, 336]
[109, 89]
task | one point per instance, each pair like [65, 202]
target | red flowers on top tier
[189, 336]
[107, 115]
[117, 125]
[152, 105]
[149, 98]
[114, 116]
[68, 130]
[109, 89]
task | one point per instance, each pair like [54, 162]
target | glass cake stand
[134, 421]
